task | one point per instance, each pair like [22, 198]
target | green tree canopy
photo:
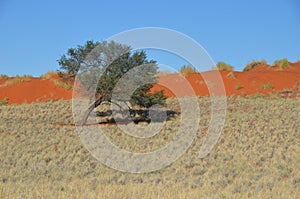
[100, 65]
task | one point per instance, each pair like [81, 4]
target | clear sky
[35, 33]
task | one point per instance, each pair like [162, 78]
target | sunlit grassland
[257, 155]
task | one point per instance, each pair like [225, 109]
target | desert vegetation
[223, 66]
[3, 102]
[231, 75]
[267, 86]
[239, 86]
[49, 75]
[111, 61]
[59, 79]
[282, 63]
[63, 84]
[187, 69]
[3, 76]
[253, 64]
[17, 79]
[257, 155]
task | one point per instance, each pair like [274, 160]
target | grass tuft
[282, 63]
[5, 77]
[239, 87]
[253, 64]
[61, 84]
[185, 70]
[49, 75]
[223, 66]
[231, 75]
[267, 86]
[17, 79]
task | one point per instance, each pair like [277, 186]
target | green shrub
[231, 75]
[223, 66]
[254, 64]
[187, 69]
[4, 102]
[267, 86]
[239, 87]
[2, 76]
[282, 63]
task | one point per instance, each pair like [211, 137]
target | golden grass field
[257, 155]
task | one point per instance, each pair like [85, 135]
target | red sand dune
[251, 81]
[39, 89]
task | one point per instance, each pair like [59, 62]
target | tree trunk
[90, 109]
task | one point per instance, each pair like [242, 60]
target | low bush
[61, 84]
[254, 64]
[4, 102]
[187, 69]
[223, 66]
[282, 63]
[231, 75]
[2, 76]
[49, 75]
[267, 86]
[17, 79]
[239, 87]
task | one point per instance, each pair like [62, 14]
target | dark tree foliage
[70, 62]
[113, 61]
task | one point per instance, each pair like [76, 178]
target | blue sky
[35, 33]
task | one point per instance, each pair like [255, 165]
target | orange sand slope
[33, 90]
[261, 79]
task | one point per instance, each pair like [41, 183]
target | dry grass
[163, 73]
[282, 63]
[17, 79]
[88, 189]
[62, 84]
[239, 87]
[257, 155]
[231, 75]
[253, 64]
[223, 66]
[187, 69]
[267, 86]
[57, 82]
[49, 75]
[5, 77]
[4, 102]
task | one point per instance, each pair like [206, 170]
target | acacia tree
[71, 61]
[112, 61]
